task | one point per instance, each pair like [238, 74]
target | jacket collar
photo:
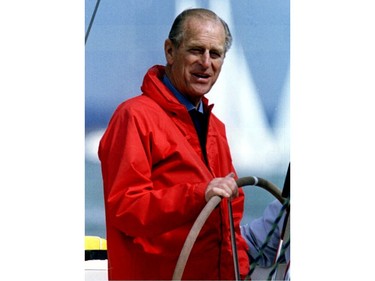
[154, 88]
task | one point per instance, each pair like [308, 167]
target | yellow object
[95, 243]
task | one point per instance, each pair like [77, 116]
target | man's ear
[169, 51]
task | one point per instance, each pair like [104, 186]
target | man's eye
[215, 55]
[196, 51]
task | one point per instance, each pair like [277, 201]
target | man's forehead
[193, 22]
[199, 31]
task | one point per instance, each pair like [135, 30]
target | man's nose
[205, 59]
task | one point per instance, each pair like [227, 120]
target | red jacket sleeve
[135, 205]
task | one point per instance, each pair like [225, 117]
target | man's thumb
[230, 175]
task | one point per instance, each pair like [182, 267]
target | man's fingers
[221, 192]
[225, 187]
[232, 185]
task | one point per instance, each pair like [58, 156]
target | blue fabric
[255, 234]
[181, 98]
[197, 115]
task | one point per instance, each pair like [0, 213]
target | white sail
[254, 145]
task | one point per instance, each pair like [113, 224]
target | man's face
[196, 64]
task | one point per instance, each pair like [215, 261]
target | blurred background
[251, 96]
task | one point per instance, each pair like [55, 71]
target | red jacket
[154, 180]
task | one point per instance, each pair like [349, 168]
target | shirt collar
[181, 98]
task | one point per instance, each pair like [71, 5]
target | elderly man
[164, 155]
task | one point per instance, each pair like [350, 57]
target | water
[94, 205]
[256, 199]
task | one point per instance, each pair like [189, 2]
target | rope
[285, 240]
[274, 267]
[92, 20]
[268, 237]
[205, 213]
[192, 236]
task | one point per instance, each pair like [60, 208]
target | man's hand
[224, 187]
